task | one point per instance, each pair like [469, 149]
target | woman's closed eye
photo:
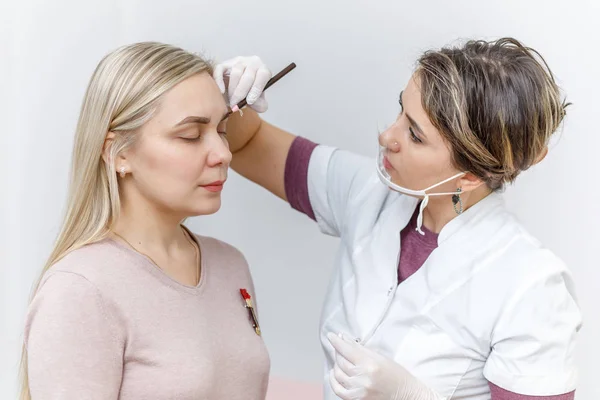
[191, 136]
[195, 136]
[221, 128]
[411, 131]
[413, 136]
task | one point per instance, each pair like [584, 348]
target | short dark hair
[496, 103]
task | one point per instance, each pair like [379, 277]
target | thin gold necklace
[189, 239]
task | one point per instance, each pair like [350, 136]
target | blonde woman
[131, 304]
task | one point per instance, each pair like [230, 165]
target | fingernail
[235, 108]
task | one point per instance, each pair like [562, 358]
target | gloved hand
[361, 374]
[247, 79]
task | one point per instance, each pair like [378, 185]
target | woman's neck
[440, 209]
[146, 227]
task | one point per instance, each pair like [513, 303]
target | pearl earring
[122, 172]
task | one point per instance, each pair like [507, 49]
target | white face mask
[387, 180]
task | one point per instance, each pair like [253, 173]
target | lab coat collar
[472, 215]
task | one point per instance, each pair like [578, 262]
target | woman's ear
[469, 182]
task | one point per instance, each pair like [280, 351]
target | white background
[353, 58]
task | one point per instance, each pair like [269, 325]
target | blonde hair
[122, 95]
[496, 103]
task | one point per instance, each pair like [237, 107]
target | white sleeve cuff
[543, 385]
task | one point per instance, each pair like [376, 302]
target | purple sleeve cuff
[296, 175]
[501, 394]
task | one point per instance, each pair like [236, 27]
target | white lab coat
[490, 303]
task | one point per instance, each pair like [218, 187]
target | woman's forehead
[198, 95]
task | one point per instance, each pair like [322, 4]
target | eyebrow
[198, 120]
[410, 119]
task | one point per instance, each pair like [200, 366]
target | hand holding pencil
[248, 78]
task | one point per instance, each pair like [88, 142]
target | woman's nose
[220, 153]
[387, 140]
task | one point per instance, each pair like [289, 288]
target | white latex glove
[361, 374]
[247, 79]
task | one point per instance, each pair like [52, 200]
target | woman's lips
[386, 164]
[214, 187]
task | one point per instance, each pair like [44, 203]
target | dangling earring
[122, 172]
[457, 200]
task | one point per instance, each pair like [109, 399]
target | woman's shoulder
[530, 269]
[103, 264]
[83, 273]
[73, 290]
[516, 259]
[532, 252]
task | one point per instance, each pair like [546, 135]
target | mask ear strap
[420, 216]
[444, 181]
